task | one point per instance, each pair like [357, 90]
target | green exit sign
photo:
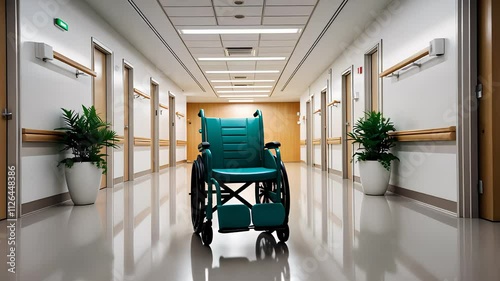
[61, 24]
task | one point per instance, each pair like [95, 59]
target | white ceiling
[152, 27]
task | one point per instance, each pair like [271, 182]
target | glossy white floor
[142, 231]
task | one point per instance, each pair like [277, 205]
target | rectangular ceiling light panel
[241, 31]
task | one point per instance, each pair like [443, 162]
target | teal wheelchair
[233, 151]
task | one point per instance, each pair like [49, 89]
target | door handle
[6, 114]
[126, 126]
[347, 123]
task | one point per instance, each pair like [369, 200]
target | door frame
[324, 156]
[155, 125]
[345, 157]
[12, 92]
[367, 76]
[109, 101]
[308, 133]
[467, 129]
[130, 109]
[172, 152]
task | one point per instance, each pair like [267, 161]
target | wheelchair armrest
[204, 145]
[272, 144]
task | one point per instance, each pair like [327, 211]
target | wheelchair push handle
[257, 113]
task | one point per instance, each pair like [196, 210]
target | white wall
[421, 98]
[46, 87]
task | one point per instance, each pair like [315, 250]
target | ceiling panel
[264, 65]
[200, 44]
[207, 64]
[234, 21]
[193, 20]
[232, 11]
[186, 3]
[253, 44]
[282, 43]
[189, 11]
[218, 76]
[299, 20]
[231, 3]
[197, 37]
[272, 37]
[288, 10]
[275, 50]
[244, 37]
[290, 2]
[210, 52]
[241, 66]
[230, 64]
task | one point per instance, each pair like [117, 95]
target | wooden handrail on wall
[142, 94]
[316, 141]
[179, 114]
[303, 142]
[317, 111]
[438, 134]
[336, 140]
[164, 142]
[33, 135]
[121, 140]
[138, 141]
[163, 106]
[181, 143]
[70, 62]
[334, 103]
[405, 62]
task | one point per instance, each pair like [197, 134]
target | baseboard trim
[335, 172]
[44, 203]
[317, 166]
[143, 173]
[356, 179]
[441, 203]
[163, 167]
[118, 180]
[181, 162]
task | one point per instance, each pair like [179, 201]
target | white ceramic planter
[374, 177]
[83, 180]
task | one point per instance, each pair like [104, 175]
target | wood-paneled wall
[280, 124]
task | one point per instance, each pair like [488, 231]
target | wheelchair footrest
[233, 217]
[268, 214]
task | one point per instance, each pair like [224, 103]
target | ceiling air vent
[239, 51]
[242, 85]
[240, 77]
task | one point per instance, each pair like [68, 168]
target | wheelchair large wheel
[197, 195]
[263, 189]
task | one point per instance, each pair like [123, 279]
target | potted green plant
[371, 132]
[85, 135]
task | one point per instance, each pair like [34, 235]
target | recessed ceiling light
[243, 96]
[241, 31]
[239, 81]
[242, 100]
[240, 87]
[240, 71]
[241, 58]
[243, 91]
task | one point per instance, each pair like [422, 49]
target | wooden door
[193, 133]
[348, 125]
[3, 122]
[126, 123]
[374, 81]
[100, 93]
[489, 116]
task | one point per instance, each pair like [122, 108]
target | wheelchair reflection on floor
[271, 262]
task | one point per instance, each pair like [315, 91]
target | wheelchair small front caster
[283, 234]
[207, 234]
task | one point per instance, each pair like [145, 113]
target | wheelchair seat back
[235, 142]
